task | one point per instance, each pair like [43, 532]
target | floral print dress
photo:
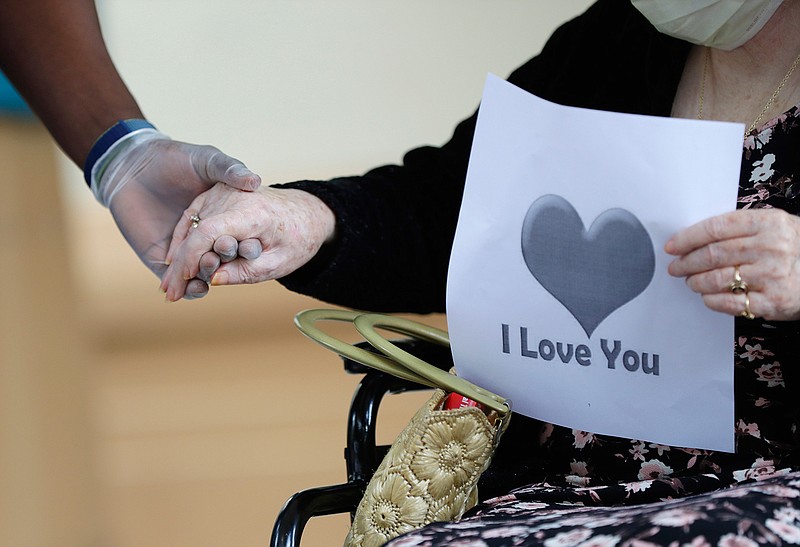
[591, 490]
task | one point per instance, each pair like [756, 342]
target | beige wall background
[318, 88]
[190, 423]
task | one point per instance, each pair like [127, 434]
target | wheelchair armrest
[314, 502]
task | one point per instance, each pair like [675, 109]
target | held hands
[152, 181]
[290, 225]
[764, 244]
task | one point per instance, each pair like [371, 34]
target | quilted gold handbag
[431, 471]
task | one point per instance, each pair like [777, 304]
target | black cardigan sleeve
[396, 223]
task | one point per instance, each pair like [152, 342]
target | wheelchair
[362, 455]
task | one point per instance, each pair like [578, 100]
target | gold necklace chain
[769, 102]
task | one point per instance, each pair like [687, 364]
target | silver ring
[195, 218]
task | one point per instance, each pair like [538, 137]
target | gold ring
[738, 285]
[746, 313]
[195, 218]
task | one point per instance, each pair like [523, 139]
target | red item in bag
[456, 400]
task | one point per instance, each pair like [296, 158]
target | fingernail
[167, 261]
[241, 171]
[219, 278]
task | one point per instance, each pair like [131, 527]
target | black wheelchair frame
[361, 454]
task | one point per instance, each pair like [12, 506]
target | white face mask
[723, 24]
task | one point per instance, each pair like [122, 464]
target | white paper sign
[558, 293]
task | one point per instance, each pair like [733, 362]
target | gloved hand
[290, 225]
[150, 180]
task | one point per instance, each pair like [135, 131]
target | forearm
[53, 52]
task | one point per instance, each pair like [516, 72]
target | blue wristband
[107, 139]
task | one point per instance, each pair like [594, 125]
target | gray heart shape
[591, 273]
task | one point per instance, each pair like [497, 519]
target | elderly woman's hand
[290, 225]
[765, 246]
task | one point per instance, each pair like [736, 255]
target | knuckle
[257, 272]
[716, 226]
[712, 254]
[249, 278]
[208, 151]
[717, 279]
[205, 233]
[784, 246]
[777, 302]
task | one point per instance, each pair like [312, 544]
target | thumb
[216, 166]
[239, 176]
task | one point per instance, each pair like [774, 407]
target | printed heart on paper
[592, 273]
